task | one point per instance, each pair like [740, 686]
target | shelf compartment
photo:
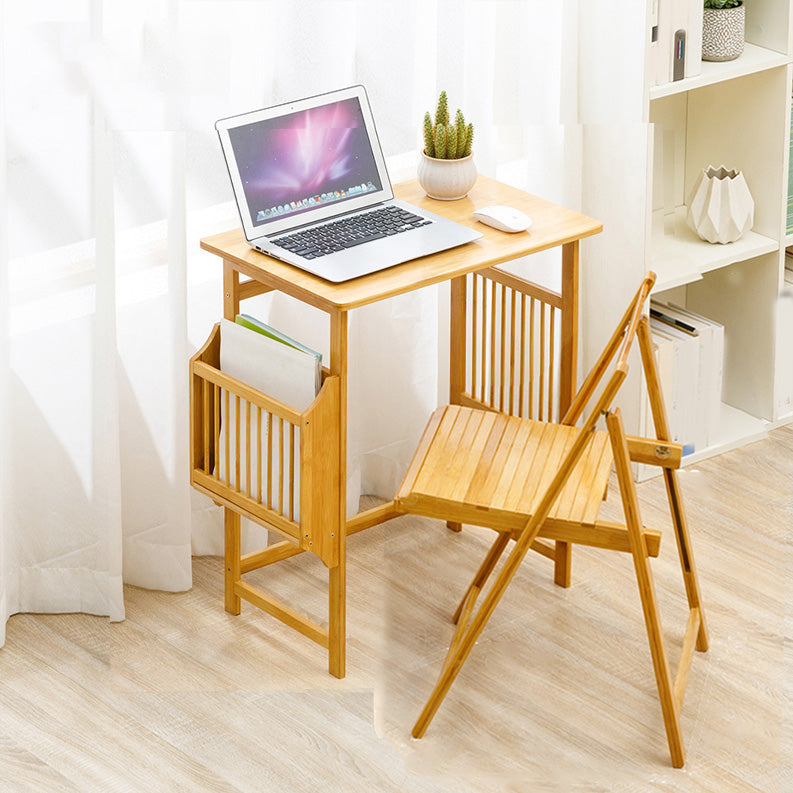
[736, 429]
[682, 257]
[285, 478]
[754, 59]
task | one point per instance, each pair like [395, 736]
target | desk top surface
[552, 226]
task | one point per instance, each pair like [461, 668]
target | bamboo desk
[478, 330]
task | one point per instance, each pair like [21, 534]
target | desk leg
[232, 558]
[231, 291]
[231, 519]
[338, 575]
[567, 377]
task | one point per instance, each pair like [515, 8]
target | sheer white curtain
[110, 175]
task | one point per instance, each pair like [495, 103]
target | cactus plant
[469, 139]
[429, 136]
[444, 140]
[440, 141]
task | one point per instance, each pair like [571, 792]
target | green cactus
[451, 142]
[462, 134]
[444, 140]
[469, 140]
[429, 136]
[440, 141]
[442, 110]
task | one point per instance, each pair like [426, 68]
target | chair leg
[686, 556]
[563, 563]
[490, 561]
[466, 635]
[652, 618]
[670, 478]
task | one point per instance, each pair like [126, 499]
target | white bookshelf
[736, 114]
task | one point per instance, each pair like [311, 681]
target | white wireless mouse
[503, 218]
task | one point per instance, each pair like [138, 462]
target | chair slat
[534, 442]
[484, 495]
[483, 463]
[434, 460]
[593, 499]
[484, 427]
[472, 421]
[555, 444]
[573, 498]
[511, 465]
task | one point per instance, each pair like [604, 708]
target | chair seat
[488, 469]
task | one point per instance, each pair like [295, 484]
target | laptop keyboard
[350, 231]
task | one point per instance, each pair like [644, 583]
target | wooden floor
[558, 695]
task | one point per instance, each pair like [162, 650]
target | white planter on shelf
[723, 33]
[721, 208]
[446, 179]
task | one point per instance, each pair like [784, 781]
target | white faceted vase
[721, 208]
[446, 180]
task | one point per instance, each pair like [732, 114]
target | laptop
[312, 189]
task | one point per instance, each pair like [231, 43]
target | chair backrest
[620, 342]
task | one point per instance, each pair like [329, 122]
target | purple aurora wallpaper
[296, 162]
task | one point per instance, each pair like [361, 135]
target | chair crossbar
[600, 534]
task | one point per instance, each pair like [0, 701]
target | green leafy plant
[723, 3]
[444, 140]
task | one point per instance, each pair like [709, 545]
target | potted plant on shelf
[723, 23]
[446, 166]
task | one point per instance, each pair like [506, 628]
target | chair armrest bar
[654, 452]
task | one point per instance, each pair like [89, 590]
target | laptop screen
[305, 161]
[291, 164]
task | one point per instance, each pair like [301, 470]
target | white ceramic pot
[722, 33]
[721, 208]
[446, 179]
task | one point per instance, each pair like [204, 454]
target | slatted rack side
[271, 463]
[511, 336]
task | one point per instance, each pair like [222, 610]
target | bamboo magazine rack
[267, 462]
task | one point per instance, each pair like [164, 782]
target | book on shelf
[711, 367]
[282, 369]
[682, 386]
[701, 355]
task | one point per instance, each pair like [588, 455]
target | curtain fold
[110, 173]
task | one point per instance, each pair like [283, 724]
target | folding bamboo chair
[528, 479]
